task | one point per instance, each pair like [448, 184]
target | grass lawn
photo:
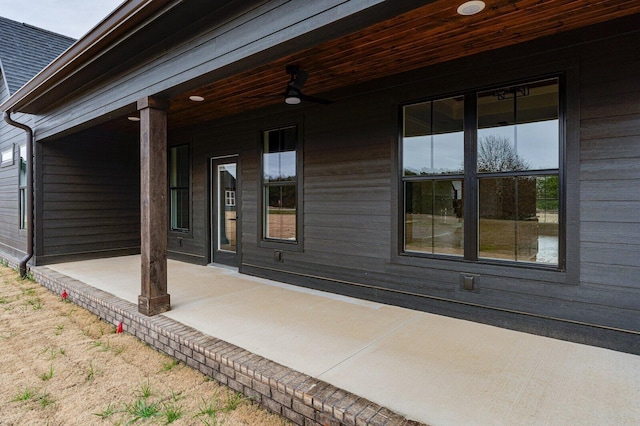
[62, 365]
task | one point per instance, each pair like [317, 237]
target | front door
[224, 210]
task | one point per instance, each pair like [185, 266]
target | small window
[22, 187]
[280, 184]
[179, 188]
[230, 198]
[7, 157]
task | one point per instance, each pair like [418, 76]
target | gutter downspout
[29, 189]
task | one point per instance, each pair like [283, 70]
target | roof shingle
[25, 50]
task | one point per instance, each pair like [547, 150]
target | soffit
[428, 35]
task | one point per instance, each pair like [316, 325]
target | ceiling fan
[293, 94]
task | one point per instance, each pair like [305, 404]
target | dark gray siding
[351, 196]
[89, 197]
[610, 175]
[12, 240]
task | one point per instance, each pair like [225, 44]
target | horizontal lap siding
[347, 190]
[610, 177]
[12, 240]
[250, 193]
[90, 197]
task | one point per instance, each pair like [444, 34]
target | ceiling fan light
[292, 100]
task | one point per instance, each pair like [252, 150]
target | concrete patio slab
[460, 372]
[429, 368]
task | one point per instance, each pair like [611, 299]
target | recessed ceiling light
[195, 98]
[471, 7]
[133, 118]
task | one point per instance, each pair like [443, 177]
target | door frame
[215, 256]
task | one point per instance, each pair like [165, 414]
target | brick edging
[300, 398]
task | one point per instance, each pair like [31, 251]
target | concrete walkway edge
[301, 398]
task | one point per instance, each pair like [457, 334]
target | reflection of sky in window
[536, 143]
[434, 154]
[229, 168]
[279, 165]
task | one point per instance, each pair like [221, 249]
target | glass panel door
[224, 210]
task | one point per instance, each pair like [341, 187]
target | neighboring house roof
[25, 50]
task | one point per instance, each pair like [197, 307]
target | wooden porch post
[153, 206]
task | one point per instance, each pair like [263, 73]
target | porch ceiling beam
[154, 298]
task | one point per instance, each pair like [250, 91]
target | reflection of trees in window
[282, 197]
[512, 193]
[518, 127]
[497, 154]
[279, 176]
[508, 198]
[547, 198]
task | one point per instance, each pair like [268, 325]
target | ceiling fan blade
[314, 99]
[298, 79]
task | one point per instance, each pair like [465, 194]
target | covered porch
[319, 357]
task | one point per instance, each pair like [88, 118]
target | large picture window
[280, 184]
[509, 139]
[179, 188]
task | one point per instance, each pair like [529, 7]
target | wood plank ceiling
[425, 36]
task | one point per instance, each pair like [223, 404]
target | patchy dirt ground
[62, 365]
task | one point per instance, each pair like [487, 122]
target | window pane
[280, 213]
[180, 209]
[433, 138]
[433, 217]
[23, 208]
[527, 232]
[22, 183]
[23, 166]
[279, 155]
[519, 219]
[547, 212]
[497, 210]
[418, 228]
[518, 128]
[179, 166]
[227, 209]
[7, 156]
[179, 187]
[416, 146]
